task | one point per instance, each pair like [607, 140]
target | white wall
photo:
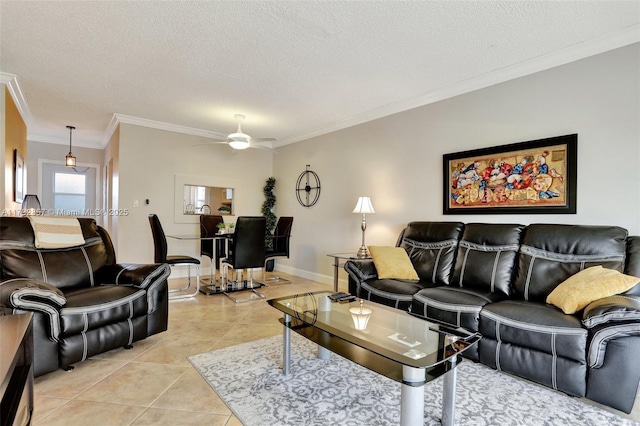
[150, 160]
[397, 160]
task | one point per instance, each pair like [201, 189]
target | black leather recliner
[494, 279]
[83, 302]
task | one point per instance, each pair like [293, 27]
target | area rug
[249, 379]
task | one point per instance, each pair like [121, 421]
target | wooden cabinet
[16, 369]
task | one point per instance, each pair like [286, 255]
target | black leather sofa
[494, 279]
[83, 302]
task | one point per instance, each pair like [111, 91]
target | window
[69, 191]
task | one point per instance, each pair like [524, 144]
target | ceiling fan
[240, 140]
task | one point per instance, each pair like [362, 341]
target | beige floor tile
[82, 413]
[233, 421]
[136, 383]
[192, 393]
[175, 352]
[43, 406]
[70, 384]
[159, 417]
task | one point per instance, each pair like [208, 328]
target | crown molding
[160, 125]
[11, 81]
[574, 53]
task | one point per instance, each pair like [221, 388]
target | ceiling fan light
[239, 137]
[239, 144]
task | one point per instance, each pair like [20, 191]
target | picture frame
[19, 177]
[532, 177]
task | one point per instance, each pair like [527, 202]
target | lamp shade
[31, 204]
[364, 206]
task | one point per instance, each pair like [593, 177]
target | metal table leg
[412, 397]
[449, 395]
[286, 352]
[336, 266]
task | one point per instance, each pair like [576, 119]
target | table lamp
[31, 204]
[363, 206]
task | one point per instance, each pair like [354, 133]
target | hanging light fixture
[70, 160]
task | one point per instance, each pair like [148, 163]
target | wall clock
[308, 188]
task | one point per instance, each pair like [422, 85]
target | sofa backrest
[63, 268]
[551, 253]
[432, 248]
[487, 255]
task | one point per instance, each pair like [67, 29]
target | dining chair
[279, 248]
[160, 256]
[209, 228]
[246, 251]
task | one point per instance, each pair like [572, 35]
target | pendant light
[70, 160]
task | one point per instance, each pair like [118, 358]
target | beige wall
[397, 160]
[15, 137]
[150, 163]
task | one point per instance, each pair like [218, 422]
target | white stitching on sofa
[86, 258]
[393, 296]
[435, 266]
[498, 345]
[486, 248]
[42, 266]
[464, 264]
[495, 271]
[85, 344]
[447, 306]
[547, 329]
[554, 362]
[52, 313]
[528, 280]
[597, 341]
[102, 306]
[569, 258]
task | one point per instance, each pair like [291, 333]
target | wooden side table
[16, 369]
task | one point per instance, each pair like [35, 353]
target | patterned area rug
[248, 377]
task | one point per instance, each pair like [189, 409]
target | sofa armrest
[142, 276]
[613, 309]
[33, 295]
[361, 269]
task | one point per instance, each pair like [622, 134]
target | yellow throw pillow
[392, 262]
[588, 285]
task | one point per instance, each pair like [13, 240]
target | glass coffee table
[388, 341]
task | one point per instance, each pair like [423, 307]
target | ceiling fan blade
[214, 141]
[263, 139]
[264, 148]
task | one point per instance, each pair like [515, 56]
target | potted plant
[267, 211]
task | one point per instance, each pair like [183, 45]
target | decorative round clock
[308, 188]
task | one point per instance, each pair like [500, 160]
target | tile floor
[154, 383]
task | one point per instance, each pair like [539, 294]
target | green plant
[220, 225]
[267, 209]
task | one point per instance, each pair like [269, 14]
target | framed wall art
[530, 177]
[19, 177]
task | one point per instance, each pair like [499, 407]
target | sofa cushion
[535, 341]
[432, 248]
[94, 307]
[550, 254]
[588, 285]
[487, 256]
[392, 262]
[456, 306]
[395, 293]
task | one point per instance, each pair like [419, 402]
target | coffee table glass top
[386, 331]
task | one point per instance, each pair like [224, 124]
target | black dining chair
[279, 248]
[209, 228]
[160, 256]
[246, 251]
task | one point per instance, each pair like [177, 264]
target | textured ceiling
[295, 69]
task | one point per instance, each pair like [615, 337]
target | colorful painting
[527, 177]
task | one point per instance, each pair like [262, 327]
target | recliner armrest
[33, 295]
[361, 269]
[613, 309]
[141, 276]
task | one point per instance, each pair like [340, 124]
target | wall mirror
[199, 199]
